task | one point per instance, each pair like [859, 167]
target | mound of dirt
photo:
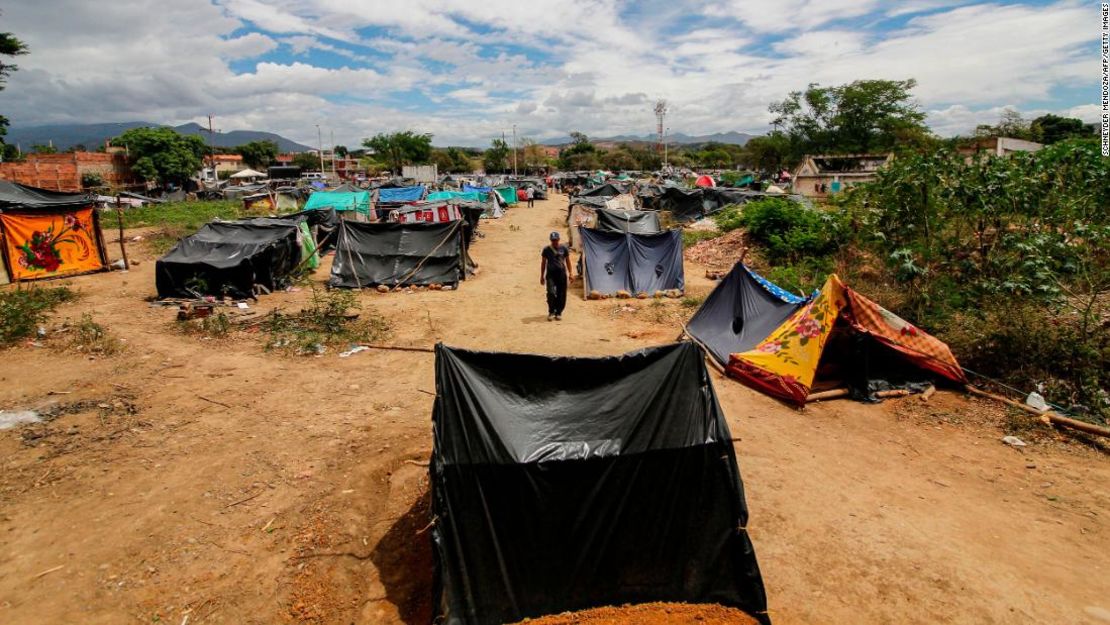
[719, 253]
[650, 614]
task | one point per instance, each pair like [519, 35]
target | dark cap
[554, 236]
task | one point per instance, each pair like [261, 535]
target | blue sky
[467, 71]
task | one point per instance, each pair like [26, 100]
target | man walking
[555, 273]
[531, 195]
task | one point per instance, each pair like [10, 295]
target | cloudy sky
[467, 70]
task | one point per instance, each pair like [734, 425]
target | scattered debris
[1013, 441]
[354, 350]
[11, 419]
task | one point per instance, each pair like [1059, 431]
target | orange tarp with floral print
[44, 245]
[785, 363]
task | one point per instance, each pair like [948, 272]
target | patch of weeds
[23, 311]
[89, 337]
[215, 326]
[693, 301]
[332, 318]
[161, 242]
[691, 238]
[514, 228]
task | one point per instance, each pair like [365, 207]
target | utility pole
[664, 135]
[211, 152]
[333, 152]
[514, 151]
[320, 144]
[503, 141]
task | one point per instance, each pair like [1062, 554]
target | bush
[22, 311]
[729, 218]
[693, 237]
[791, 231]
[90, 337]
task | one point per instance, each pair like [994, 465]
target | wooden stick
[927, 393]
[212, 401]
[50, 570]
[898, 392]
[833, 394]
[119, 220]
[399, 348]
[1052, 417]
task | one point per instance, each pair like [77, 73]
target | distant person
[530, 193]
[555, 273]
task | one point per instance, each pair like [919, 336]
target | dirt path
[213, 480]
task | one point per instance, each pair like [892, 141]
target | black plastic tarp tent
[393, 254]
[684, 204]
[634, 263]
[566, 483]
[230, 258]
[603, 190]
[21, 197]
[638, 222]
[742, 311]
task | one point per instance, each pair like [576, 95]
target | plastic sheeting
[604, 190]
[230, 258]
[369, 254]
[25, 198]
[742, 311]
[52, 242]
[566, 483]
[401, 195]
[635, 263]
[339, 201]
[637, 222]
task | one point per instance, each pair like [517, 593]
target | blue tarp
[468, 189]
[402, 194]
[340, 201]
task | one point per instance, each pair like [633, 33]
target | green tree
[258, 154]
[341, 151]
[862, 116]
[1010, 124]
[580, 154]
[496, 158]
[161, 154]
[618, 160]
[768, 155]
[401, 148]
[307, 161]
[1049, 129]
[39, 148]
[10, 46]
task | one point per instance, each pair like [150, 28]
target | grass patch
[691, 238]
[693, 301]
[216, 326]
[182, 216]
[332, 319]
[22, 311]
[89, 337]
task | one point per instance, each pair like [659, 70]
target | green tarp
[308, 246]
[508, 194]
[473, 196]
[340, 201]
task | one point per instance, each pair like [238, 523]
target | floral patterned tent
[49, 234]
[785, 364]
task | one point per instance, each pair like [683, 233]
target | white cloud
[550, 66]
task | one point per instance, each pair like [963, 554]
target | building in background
[69, 171]
[820, 176]
[998, 146]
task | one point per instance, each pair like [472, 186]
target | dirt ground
[208, 481]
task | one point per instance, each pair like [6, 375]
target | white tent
[247, 173]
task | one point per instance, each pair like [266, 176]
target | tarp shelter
[604, 190]
[370, 254]
[232, 258]
[473, 196]
[634, 263]
[782, 346]
[684, 205]
[247, 174]
[705, 181]
[637, 222]
[401, 195]
[473, 189]
[563, 483]
[581, 216]
[624, 201]
[507, 194]
[357, 202]
[48, 234]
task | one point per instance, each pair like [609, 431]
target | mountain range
[92, 136]
[737, 138]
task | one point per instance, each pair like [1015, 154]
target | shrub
[328, 320]
[693, 237]
[90, 337]
[729, 218]
[22, 311]
[791, 231]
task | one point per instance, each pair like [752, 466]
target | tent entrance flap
[561, 484]
[633, 263]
